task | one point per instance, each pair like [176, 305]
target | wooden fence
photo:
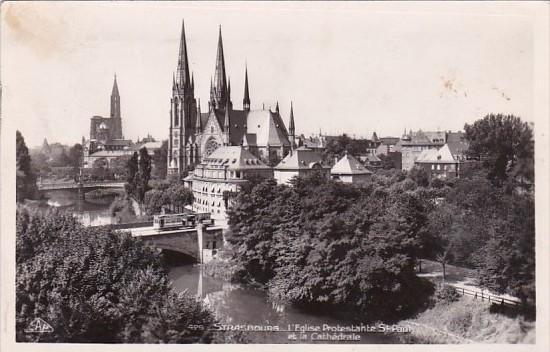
[489, 298]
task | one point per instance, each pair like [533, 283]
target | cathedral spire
[226, 123]
[291, 127]
[183, 62]
[277, 107]
[220, 80]
[246, 99]
[115, 112]
[198, 122]
[115, 88]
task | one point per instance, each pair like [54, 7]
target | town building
[439, 163]
[349, 170]
[387, 145]
[413, 144]
[194, 134]
[220, 175]
[106, 140]
[300, 162]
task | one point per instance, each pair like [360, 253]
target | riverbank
[467, 321]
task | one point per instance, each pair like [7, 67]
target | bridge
[55, 186]
[200, 243]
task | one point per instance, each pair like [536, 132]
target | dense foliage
[337, 147]
[171, 196]
[25, 178]
[95, 285]
[504, 143]
[138, 175]
[319, 242]
[323, 243]
[160, 162]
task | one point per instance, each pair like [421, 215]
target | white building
[219, 175]
[300, 162]
[349, 170]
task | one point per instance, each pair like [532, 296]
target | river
[89, 212]
[232, 304]
[238, 304]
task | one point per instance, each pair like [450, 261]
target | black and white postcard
[274, 175]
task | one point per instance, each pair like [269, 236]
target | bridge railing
[60, 185]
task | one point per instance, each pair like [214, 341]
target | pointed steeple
[226, 123]
[220, 80]
[226, 117]
[174, 81]
[228, 91]
[246, 99]
[198, 122]
[115, 88]
[182, 77]
[291, 127]
[116, 129]
[277, 107]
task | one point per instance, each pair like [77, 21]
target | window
[212, 129]
[433, 167]
[439, 167]
[237, 174]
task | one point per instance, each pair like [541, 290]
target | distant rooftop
[348, 165]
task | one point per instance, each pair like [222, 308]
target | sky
[348, 68]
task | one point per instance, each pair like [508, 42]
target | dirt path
[458, 277]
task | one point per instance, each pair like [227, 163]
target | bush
[446, 294]
[94, 285]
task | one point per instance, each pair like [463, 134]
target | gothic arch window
[212, 129]
[211, 145]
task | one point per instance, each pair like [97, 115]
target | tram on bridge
[183, 220]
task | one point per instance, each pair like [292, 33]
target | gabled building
[194, 134]
[439, 163]
[413, 144]
[349, 170]
[387, 145]
[106, 141]
[300, 162]
[221, 174]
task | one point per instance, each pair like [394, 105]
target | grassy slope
[467, 321]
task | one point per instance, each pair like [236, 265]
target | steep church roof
[268, 128]
[348, 165]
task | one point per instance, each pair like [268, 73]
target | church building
[106, 140]
[194, 134]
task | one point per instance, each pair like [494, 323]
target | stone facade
[219, 176]
[194, 135]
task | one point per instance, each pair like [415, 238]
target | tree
[75, 155]
[26, 179]
[420, 176]
[143, 175]
[95, 285]
[131, 176]
[160, 162]
[321, 243]
[501, 142]
[119, 166]
[180, 196]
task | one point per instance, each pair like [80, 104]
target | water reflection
[237, 304]
[89, 212]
